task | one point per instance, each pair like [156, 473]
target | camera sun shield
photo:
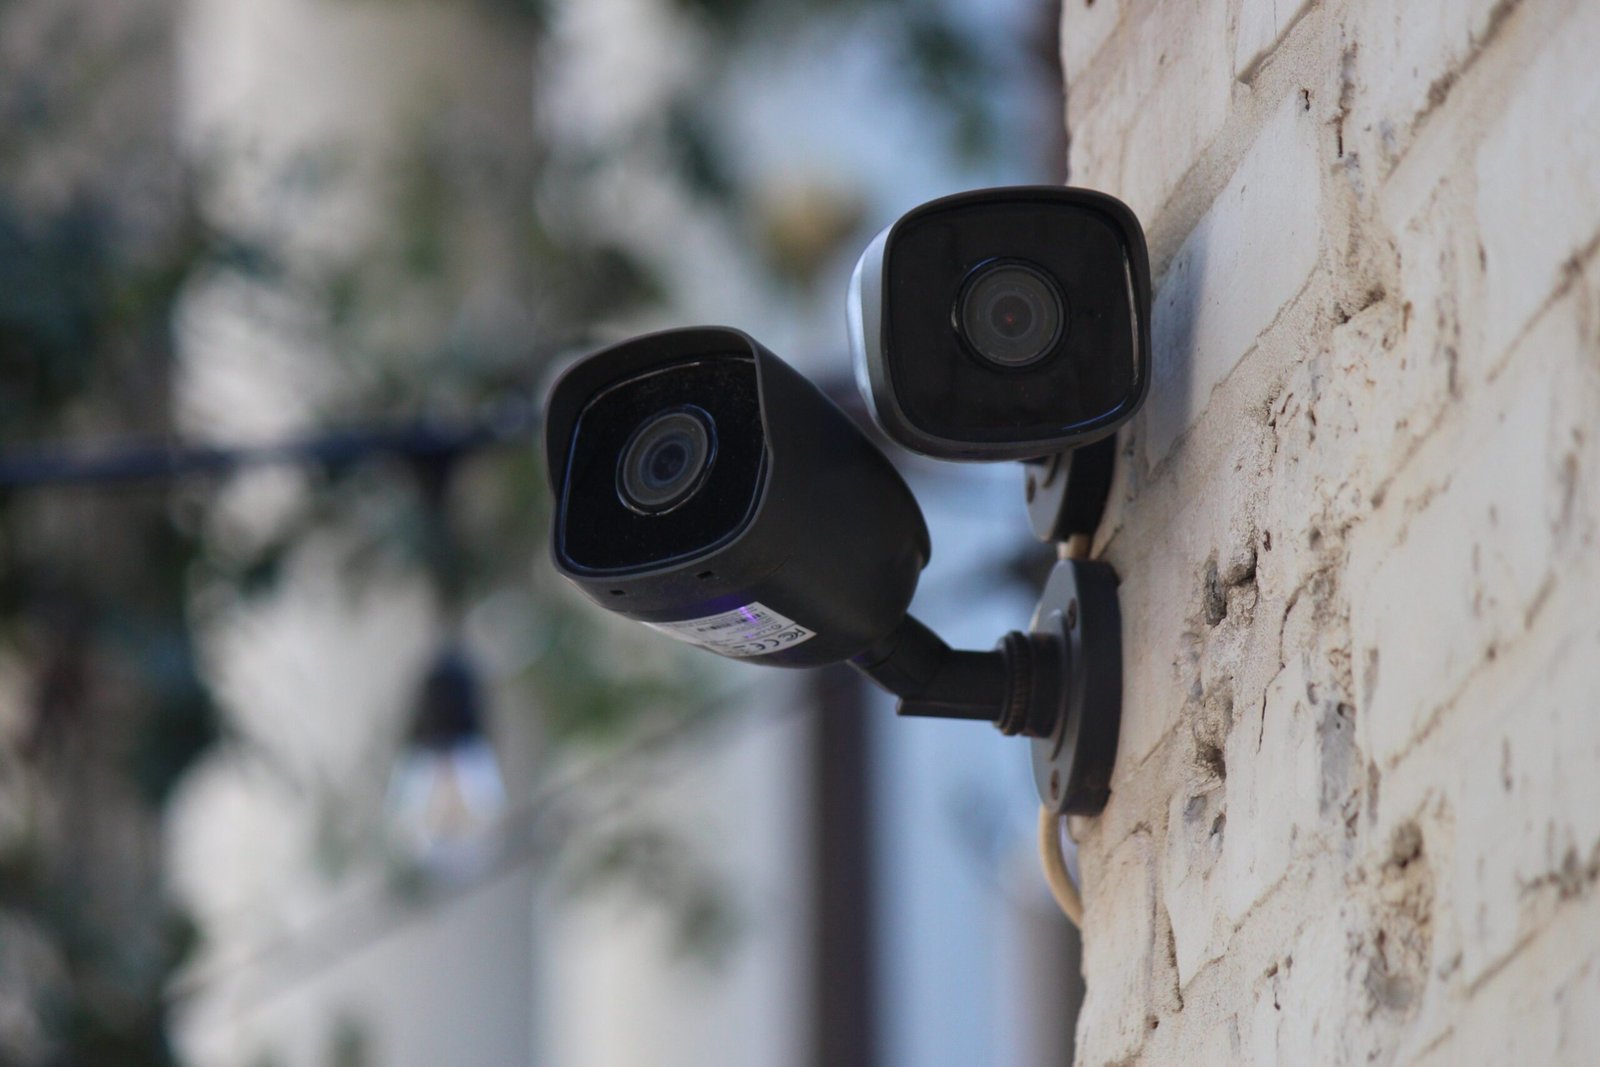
[1004, 323]
[706, 488]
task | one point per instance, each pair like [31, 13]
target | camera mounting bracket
[1067, 492]
[1059, 684]
[1078, 609]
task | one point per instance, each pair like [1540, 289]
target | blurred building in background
[349, 213]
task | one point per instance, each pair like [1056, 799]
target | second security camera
[1007, 323]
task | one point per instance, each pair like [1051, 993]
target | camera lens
[1011, 314]
[666, 460]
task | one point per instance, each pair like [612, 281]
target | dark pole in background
[843, 979]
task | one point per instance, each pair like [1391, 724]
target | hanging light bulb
[446, 792]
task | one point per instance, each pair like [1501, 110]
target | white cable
[1075, 547]
[1050, 854]
[1055, 867]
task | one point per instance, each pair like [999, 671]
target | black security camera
[705, 488]
[1008, 323]
[1014, 323]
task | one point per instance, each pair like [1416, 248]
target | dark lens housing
[1010, 313]
[962, 354]
[632, 504]
[790, 512]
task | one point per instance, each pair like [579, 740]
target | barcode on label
[752, 630]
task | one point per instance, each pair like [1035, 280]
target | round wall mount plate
[1072, 767]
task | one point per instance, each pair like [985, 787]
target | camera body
[1007, 323]
[704, 487]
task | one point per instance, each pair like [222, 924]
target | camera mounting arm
[1010, 686]
[1060, 683]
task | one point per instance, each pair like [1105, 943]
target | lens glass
[664, 465]
[666, 460]
[1011, 314]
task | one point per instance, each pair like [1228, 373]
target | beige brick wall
[1356, 814]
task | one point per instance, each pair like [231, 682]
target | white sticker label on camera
[753, 630]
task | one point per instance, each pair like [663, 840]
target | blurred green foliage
[92, 609]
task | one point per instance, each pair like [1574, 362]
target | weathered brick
[1341, 423]
[1403, 57]
[1360, 790]
[1164, 98]
[1085, 25]
[1161, 596]
[1196, 829]
[1538, 170]
[1292, 760]
[1529, 796]
[1297, 1009]
[1220, 1047]
[1246, 259]
[1258, 24]
[1577, 1029]
[1127, 956]
[1459, 556]
[1157, 684]
[1541, 1011]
